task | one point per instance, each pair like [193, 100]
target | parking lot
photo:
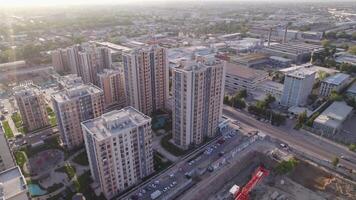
[167, 185]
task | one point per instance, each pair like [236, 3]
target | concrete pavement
[302, 141]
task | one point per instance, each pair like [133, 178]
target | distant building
[273, 88]
[146, 78]
[251, 60]
[298, 52]
[112, 82]
[345, 58]
[198, 91]
[279, 62]
[330, 121]
[297, 87]
[333, 83]
[32, 105]
[16, 65]
[351, 91]
[239, 77]
[13, 185]
[119, 148]
[74, 105]
[6, 159]
[69, 81]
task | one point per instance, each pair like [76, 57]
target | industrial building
[239, 77]
[251, 60]
[333, 83]
[351, 91]
[273, 88]
[279, 62]
[330, 121]
[119, 149]
[298, 52]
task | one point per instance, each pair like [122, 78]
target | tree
[330, 35]
[352, 50]
[353, 36]
[242, 93]
[335, 161]
[335, 96]
[352, 147]
[302, 117]
[325, 43]
[238, 103]
[227, 100]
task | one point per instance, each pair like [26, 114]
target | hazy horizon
[21, 3]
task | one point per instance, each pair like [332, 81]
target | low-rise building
[333, 83]
[279, 62]
[239, 77]
[345, 58]
[330, 121]
[251, 60]
[273, 88]
[13, 185]
[68, 81]
[351, 92]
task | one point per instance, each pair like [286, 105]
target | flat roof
[196, 66]
[114, 46]
[250, 57]
[352, 89]
[244, 72]
[295, 48]
[337, 79]
[13, 182]
[76, 91]
[280, 59]
[335, 114]
[115, 122]
[301, 73]
[272, 84]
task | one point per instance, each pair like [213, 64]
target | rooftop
[334, 115]
[13, 182]
[113, 46]
[281, 59]
[352, 89]
[301, 73]
[26, 90]
[294, 48]
[272, 84]
[189, 65]
[250, 58]
[244, 72]
[70, 80]
[337, 79]
[115, 122]
[75, 92]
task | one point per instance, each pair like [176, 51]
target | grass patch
[20, 157]
[54, 187]
[51, 143]
[7, 129]
[16, 118]
[51, 116]
[286, 166]
[158, 162]
[171, 148]
[81, 159]
[68, 169]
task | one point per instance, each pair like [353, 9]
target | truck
[155, 194]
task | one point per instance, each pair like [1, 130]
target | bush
[81, 159]
[286, 166]
[7, 129]
[352, 147]
[171, 148]
[16, 118]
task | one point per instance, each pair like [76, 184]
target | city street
[306, 142]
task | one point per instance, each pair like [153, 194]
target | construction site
[257, 177]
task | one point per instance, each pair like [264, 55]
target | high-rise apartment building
[68, 81]
[146, 78]
[119, 149]
[198, 91]
[6, 159]
[112, 82]
[32, 105]
[74, 105]
[85, 60]
[297, 87]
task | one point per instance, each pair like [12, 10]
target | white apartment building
[146, 78]
[74, 105]
[297, 87]
[119, 149]
[333, 83]
[198, 91]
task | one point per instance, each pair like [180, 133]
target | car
[171, 176]
[156, 182]
[284, 146]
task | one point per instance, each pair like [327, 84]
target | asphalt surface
[305, 142]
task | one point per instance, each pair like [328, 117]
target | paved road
[306, 142]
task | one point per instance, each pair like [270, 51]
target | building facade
[297, 87]
[146, 78]
[119, 149]
[6, 159]
[32, 105]
[198, 91]
[13, 185]
[333, 83]
[112, 82]
[74, 105]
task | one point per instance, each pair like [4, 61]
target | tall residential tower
[198, 91]
[119, 148]
[146, 78]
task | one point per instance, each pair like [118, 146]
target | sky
[76, 2]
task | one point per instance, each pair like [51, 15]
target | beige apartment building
[119, 149]
[74, 105]
[146, 78]
[32, 105]
[112, 82]
[198, 91]
[68, 81]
